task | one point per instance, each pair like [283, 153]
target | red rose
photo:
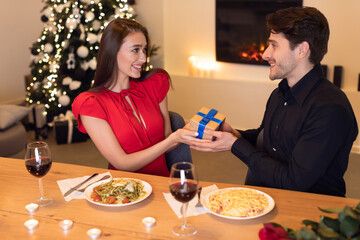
[269, 232]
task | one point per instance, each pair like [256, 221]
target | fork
[199, 205]
[84, 188]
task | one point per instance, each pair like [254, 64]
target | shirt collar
[303, 87]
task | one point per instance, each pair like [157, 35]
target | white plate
[271, 204]
[89, 190]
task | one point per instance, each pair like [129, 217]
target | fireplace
[241, 34]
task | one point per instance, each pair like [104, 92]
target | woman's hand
[183, 136]
[223, 141]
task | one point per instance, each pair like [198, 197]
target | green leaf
[357, 211]
[348, 210]
[310, 223]
[331, 210]
[341, 216]
[306, 234]
[331, 223]
[358, 206]
[328, 233]
[349, 226]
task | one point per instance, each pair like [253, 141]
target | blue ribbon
[206, 119]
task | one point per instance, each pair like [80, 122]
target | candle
[149, 221]
[66, 224]
[32, 207]
[191, 66]
[31, 224]
[94, 233]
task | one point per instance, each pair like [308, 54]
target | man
[309, 127]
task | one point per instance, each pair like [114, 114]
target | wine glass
[183, 186]
[38, 163]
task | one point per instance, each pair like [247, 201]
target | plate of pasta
[238, 203]
[118, 192]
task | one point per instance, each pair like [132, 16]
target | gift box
[37, 121]
[66, 130]
[37, 115]
[206, 119]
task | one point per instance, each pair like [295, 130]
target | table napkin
[66, 184]
[191, 210]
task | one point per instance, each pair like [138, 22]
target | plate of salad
[118, 192]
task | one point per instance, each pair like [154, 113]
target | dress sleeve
[87, 104]
[161, 85]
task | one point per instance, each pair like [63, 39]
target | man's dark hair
[300, 24]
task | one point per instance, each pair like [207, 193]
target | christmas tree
[64, 57]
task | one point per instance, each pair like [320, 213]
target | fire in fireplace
[241, 34]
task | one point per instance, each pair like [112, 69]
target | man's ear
[303, 49]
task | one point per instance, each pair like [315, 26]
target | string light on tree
[67, 48]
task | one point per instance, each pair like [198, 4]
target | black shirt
[308, 131]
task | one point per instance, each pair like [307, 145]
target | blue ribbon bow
[206, 119]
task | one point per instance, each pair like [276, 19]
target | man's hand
[223, 142]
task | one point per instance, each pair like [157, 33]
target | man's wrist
[236, 133]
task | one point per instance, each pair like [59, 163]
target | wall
[20, 26]
[153, 21]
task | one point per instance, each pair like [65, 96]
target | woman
[125, 112]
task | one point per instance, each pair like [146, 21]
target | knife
[79, 185]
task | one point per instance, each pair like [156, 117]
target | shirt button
[285, 104]
[274, 149]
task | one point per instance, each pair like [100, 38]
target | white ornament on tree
[89, 16]
[131, 10]
[52, 28]
[59, 8]
[47, 12]
[36, 85]
[92, 38]
[92, 64]
[76, 13]
[74, 85]
[82, 51]
[71, 23]
[82, 35]
[48, 47]
[84, 65]
[99, 37]
[53, 67]
[86, 1]
[66, 80]
[66, 44]
[64, 100]
[96, 25]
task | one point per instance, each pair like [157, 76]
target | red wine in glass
[38, 169]
[183, 192]
[183, 186]
[38, 163]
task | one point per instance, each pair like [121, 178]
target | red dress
[145, 97]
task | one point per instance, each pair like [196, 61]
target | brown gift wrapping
[214, 122]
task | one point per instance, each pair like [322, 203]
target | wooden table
[19, 188]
